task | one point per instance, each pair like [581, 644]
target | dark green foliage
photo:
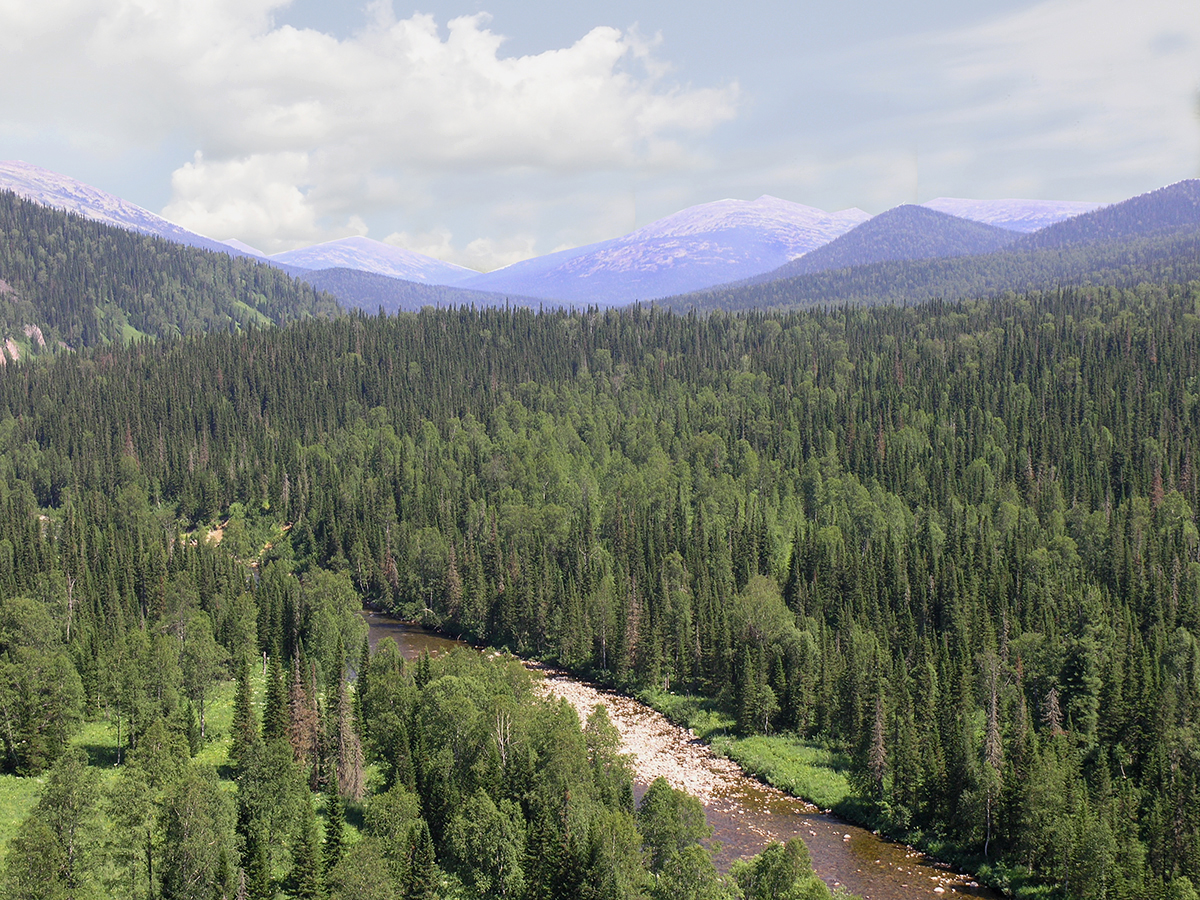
[335, 831]
[305, 880]
[245, 719]
[89, 284]
[275, 709]
[957, 543]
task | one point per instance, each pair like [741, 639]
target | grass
[802, 768]
[17, 797]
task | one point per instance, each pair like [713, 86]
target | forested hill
[82, 283]
[958, 542]
[905, 232]
[1170, 209]
[1154, 237]
[372, 292]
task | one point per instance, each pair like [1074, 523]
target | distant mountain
[698, 247]
[904, 232]
[366, 255]
[1151, 238]
[62, 192]
[372, 292]
[1015, 215]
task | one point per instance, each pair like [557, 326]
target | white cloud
[1095, 90]
[295, 126]
[483, 254]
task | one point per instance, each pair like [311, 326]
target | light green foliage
[362, 874]
[202, 662]
[780, 872]
[130, 804]
[331, 617]
[670, 821]
[613, 769]
[691, 875]
[805, 770]
[487, 845]
[58, 839]
[197, 828]
[272, 795]
[35, 864]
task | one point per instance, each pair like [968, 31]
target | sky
[487, 131]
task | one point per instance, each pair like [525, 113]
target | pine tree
[305, 880]
[335, 827]
[275, 709]
[245, 720]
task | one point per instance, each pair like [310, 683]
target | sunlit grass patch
[802, 769]
[702, 715]
[17, 797]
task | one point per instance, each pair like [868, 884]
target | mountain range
[909, 255]
[697, 249]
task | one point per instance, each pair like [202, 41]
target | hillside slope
[904, 232]
[83, 283]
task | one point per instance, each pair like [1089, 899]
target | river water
[745, 814]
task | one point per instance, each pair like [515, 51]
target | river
[744, 813]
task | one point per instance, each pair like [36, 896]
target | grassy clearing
[801, 768]
[702, 715]
[17, 797]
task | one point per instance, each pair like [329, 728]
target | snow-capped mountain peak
[1015, 215]
[63, 192]
[792, 222]
[698, 247]
[364, 254]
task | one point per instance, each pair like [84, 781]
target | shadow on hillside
[100, 755]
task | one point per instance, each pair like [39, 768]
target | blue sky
[484, 132]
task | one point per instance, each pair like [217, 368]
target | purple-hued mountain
[699, 247]
[1012, 215]
[62, 192]
[366, 255]
[900, 233]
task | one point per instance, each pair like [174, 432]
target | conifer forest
[957, 542]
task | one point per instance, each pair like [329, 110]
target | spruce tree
[245, 719]
[275, 709]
